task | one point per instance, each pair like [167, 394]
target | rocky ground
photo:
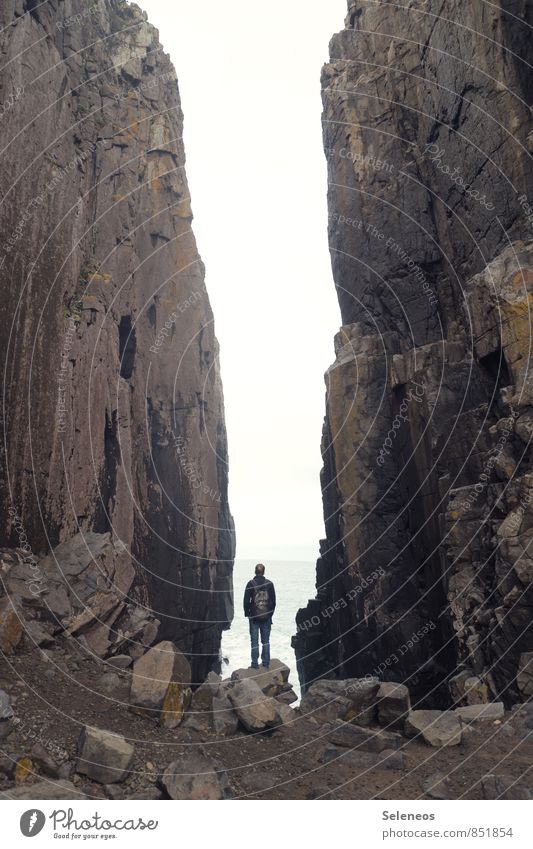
[347, 740]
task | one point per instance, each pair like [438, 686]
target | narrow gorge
[425, 572]
[117, 543]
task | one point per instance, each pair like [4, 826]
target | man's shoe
[254, 667]
[266, 666]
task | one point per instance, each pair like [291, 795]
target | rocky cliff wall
[426, 568]
[112, 400]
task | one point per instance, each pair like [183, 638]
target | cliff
[112, 400]
[425, 573]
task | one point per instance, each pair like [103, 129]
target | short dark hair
[259, 569]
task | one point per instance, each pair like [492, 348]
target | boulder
[287, 697]
[437, 728]
[394, 704]
[476, 692]
[24, 771]
[288, 716]
[272, 681]
[110, 683]
[160, 686]
[204, 695]
[104, 757]
[261, 782]
[6, 728]
[46, 790]
[11, 629]
[457, 686]
[43, 761]
[256, 712]
[199, 722]
[353, 699]
[6, 711]
[147, 795]
[225, 720]
[196, 776]
[120, 661]
[7, 767]
[356, 737]
[437, 786]
[136, 632]
[524, 678]
[503, 787]
[467, 688]
[481, 712]
[37, 636]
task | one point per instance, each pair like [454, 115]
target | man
[259, 606]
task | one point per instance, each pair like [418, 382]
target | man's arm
[272, 598]
[247, 600]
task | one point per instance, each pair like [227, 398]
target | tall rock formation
[427, 565]
[112, 401]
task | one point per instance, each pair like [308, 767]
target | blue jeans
[264, 629]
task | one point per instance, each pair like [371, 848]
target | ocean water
[295, 584]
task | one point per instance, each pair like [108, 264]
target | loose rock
[196, 776]
[43, 761]
[437, 728]
[121, 661]
[524, 679]
[10, 626]
[353, 699]
[255, 711]
[161, 684]
[502, 787]
[393, 704]
[437, 786]
[225, 720]
[272, 681]
[6, 711]
[355, 737]
[204, 695]
[104, 757]
[47, 790]
[481, 712]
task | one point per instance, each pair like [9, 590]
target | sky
[249, 77]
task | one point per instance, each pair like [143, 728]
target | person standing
[259, 607]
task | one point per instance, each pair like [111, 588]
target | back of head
[260, 569]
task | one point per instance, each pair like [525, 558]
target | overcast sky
[249, 76]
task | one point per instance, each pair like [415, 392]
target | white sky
[249, 76]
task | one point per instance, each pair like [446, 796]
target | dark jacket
[258, 581]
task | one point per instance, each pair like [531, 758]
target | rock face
[426, 482]
[114, 409]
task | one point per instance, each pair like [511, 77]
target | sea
[295, 585]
